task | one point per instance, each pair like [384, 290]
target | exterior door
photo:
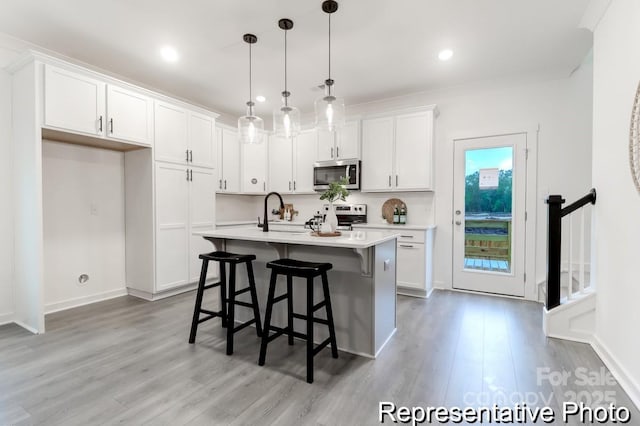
[489, 214]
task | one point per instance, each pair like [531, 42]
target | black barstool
[228, 304]
[296, 268]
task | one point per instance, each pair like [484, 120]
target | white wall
[617, 228]
[84, 224]
[6, 191]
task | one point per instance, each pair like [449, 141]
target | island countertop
[358, 239]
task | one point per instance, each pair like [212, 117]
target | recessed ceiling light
[260, 98]
[445, 54]
[169, 54]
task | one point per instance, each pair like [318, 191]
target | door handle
[406, 246]
[389, 181]
[187, 175]
[225, 184]
[289, 185]
[337, 151]
[186, 151]
[220, 185]
[111, 125]
[100, 121]
[458, 222]
[331, 152]
[396, 180]
[191, 173]
[191, 156]
[294, 185]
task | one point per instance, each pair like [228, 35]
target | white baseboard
[26, 327]
[6, 318]
[413, 292]
[84, 300]
[157, 296]
[622, 376]
[441, 285]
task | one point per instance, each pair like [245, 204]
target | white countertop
[348, 239]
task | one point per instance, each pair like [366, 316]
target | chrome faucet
[265, 223]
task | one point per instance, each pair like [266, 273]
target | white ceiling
[380, 48]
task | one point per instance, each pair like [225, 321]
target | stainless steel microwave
[325, 172]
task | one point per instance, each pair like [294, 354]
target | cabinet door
[130, 115]
[201, 140]
[411, 265]
[377, 154]
[74, 102]
[170, 123]
[348, 144]
[201, 218]
[413, 161]
[326, 145]
[172, 226]
[254, 167]
[305, 156]
[280, 164]
[230, 161]
[218, 146]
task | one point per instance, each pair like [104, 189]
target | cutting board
[388, 207]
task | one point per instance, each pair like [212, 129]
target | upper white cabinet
[130, 115]
[280, 164]
[397, 152]
[254, 168]
[229, 166]
[78, 103]
[184, 136]
[341, 144]
[291, 163]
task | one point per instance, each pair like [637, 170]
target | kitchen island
[362, 282]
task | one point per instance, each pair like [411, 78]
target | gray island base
[362, 282]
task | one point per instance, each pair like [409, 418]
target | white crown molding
[593, 14]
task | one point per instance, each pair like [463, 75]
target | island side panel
[384, 315]
[351, 293]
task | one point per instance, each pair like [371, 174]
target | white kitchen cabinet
[183, 136]
[254, 167]
[184, 204]
[341, 144]
[414, 257]
[229, 166]
[305, 147]
[130, 115]
[73, 102]
[410, 265]
[172, 226]
[78, 103]
[397, 152]
[280, 164]
[291, 163]
[201, 145]
[170, 133]
[377, 154]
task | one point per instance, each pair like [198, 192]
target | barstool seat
[309, 270]
[228, 295]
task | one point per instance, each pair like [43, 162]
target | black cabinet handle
[111, 125]
[337, 152]
[187, 175]
[100, 121]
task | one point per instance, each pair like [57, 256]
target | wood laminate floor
[127, 361]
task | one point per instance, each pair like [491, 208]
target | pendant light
[330, 111]
[250, 126]
[286, 119]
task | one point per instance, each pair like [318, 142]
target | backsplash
[420, 206]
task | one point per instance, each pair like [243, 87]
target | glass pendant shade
[330, 112]
[286, 121]
[250, 128]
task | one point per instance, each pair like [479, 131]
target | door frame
[532, 133]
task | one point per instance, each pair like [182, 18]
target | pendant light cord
[250, 88]
[286, 98]
[329, 52]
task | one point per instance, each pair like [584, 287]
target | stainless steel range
[348, 214]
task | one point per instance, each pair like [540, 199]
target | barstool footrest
[321, 346]
[319, 305]
[280, 298]
[245, 304]
[207, 287]
[244, 290]
[210, 316]
[278, 332]
[315, 319]
[244, 325]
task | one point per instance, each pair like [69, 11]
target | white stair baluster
[582, 243]
[570, 289]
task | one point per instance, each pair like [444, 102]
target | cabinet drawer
[411, 236]
[411, 266]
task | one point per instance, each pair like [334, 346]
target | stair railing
[554, 245]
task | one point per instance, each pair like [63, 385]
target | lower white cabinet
[184, 204]
[414, 264]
